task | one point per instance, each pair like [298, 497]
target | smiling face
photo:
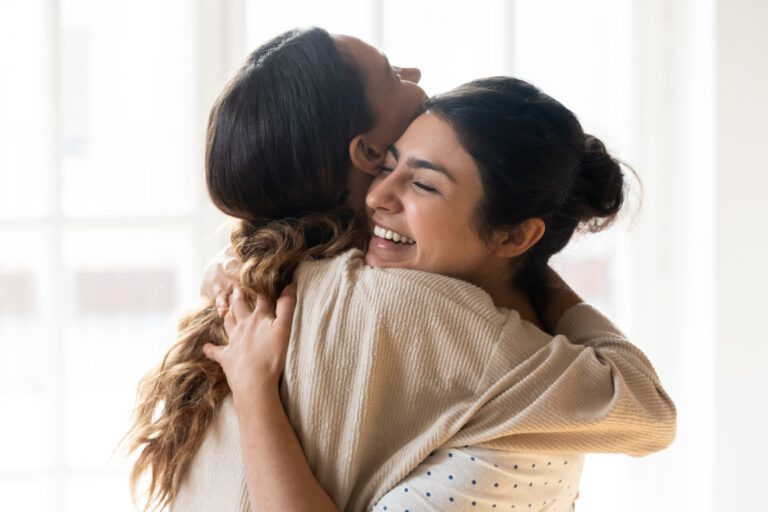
[428, 192]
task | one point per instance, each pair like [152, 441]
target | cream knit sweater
[386, 365]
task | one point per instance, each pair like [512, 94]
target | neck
[499, 286]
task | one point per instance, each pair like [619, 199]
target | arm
[278, 476]
[592, 391]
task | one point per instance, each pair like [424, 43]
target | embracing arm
[277, 474]
[588, 390]
[276, 471]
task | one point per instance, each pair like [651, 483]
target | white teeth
[391, 235]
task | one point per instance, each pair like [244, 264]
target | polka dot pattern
[474, 478]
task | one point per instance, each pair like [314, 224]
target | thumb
[212, 352]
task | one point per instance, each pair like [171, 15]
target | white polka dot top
[474, 478]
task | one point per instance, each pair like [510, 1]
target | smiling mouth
[388, 234]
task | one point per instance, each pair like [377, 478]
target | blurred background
[105, 226]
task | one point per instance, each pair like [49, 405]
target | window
[99, 221]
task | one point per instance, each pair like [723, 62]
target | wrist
[261, 395]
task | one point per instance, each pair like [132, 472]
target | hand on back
[254, 359]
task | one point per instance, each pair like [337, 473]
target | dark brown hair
[535, 161]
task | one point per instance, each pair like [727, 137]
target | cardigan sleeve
[592, 392]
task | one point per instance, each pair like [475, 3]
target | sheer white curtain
[105, 225]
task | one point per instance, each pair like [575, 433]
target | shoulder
[392, 287]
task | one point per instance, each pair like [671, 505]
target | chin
[372, 261]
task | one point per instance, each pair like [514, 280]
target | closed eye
[424, 187]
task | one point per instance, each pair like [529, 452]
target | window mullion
[57, 300]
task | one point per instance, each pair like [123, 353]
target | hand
[254, 359]
[220, 276]
[560, 298]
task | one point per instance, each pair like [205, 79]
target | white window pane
[450, 42]
[98, 494]
[26, 495]
[25, 109]
[580, 53]
[588, 265]
[24, 280]
[25, 441]
[25, 340]
[268, 19]
[126, 286]
[128, 97]
[95, 423]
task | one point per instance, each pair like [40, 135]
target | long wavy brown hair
[276, 158]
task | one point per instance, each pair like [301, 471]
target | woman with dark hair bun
[432, 341]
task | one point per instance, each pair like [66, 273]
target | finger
[286, 305]
[238, 305]
[212, 352]
[264, 307]
[222, 302]
[232, 267]
[230, 323]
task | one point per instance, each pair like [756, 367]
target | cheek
[446, 232]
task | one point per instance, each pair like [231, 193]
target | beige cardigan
[386, 365]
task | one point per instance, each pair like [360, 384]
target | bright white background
[105, 226]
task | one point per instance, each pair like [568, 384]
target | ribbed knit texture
[386, 365]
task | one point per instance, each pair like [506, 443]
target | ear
[516, 240]
[365, 155]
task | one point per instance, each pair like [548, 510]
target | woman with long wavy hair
[280, 143]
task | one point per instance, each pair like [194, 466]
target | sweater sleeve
[592, 392]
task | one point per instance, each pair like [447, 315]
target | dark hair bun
[601, 192]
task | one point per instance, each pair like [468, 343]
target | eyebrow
[418, 163]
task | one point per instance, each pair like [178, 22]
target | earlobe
[365, 156]
[518, 239]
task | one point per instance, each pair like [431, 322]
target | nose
[382, 195]
[410, 74]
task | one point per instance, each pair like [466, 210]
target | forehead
[431, 138]
[430, 132]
